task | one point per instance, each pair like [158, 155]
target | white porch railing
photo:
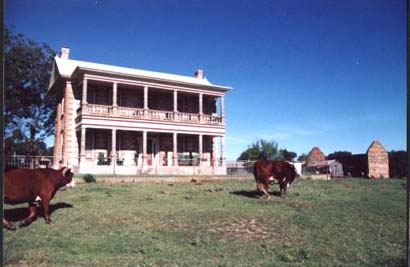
[98, 109]
[105, 110]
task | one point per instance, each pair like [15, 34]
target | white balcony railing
[138, 113]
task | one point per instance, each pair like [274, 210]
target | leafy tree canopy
[288, 155]
[302, 157]
[261, 149]
[398, 165]
[339, 155]
[28, 111]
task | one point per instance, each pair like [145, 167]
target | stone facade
[378, 161]
[114, 120]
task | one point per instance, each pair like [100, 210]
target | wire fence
[244, 168]
[233, 168]
[31, 162]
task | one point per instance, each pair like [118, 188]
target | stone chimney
[199, 74]
[64, 52]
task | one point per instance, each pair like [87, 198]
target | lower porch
[105, 151]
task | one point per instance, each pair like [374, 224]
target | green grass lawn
[346, 222]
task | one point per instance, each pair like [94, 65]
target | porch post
[175, 103]
[84, 100]
[82, 147]
[114, 98]
[213, 151]
[222, 109]
[144, 148]
[175, 150]
[113, 146]
[200, 152]
[146, 101]
[201, 107]
[222, 150]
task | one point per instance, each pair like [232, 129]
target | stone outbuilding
[377, 161]
[316, 164]
[315, 157]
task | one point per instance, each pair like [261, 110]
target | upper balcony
[154, 104]
[148, 114]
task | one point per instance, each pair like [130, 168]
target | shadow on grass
[18, 214]
[253, 193]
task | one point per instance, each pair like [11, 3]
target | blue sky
[326, 73]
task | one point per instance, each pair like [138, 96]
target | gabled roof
[376, 146]
[66, 67]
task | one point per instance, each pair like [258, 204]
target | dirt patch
[255, 229]
[300, 204]
[116, 219]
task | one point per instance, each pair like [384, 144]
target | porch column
[213, 151]
[175, 103]
[175, 150]
[82, 146]
[200, 152]
[222, 150]
[222, 109]
[144, 148]
[85, 83]
[146, 100]
[201, 107]
[114, 98]
[113, 146]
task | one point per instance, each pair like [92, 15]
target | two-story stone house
[119, 120]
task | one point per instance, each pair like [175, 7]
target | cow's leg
[265, 187]
[258, 186]
[286, 189]
[283, 187]
[8, 225]
[45, 203]
[32, 216]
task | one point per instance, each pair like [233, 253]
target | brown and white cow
[268, 171]
[25, 185]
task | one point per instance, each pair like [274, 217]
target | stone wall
[315, 157]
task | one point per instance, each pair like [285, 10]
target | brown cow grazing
[25, 185]
[267, 171]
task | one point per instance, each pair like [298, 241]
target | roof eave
[78, 69]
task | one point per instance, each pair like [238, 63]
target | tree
[398, 166]
[302, 157]
[339, 155]
[288, 155]
[261, 149]
[28, 111]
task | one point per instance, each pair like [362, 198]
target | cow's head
[66, 176]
